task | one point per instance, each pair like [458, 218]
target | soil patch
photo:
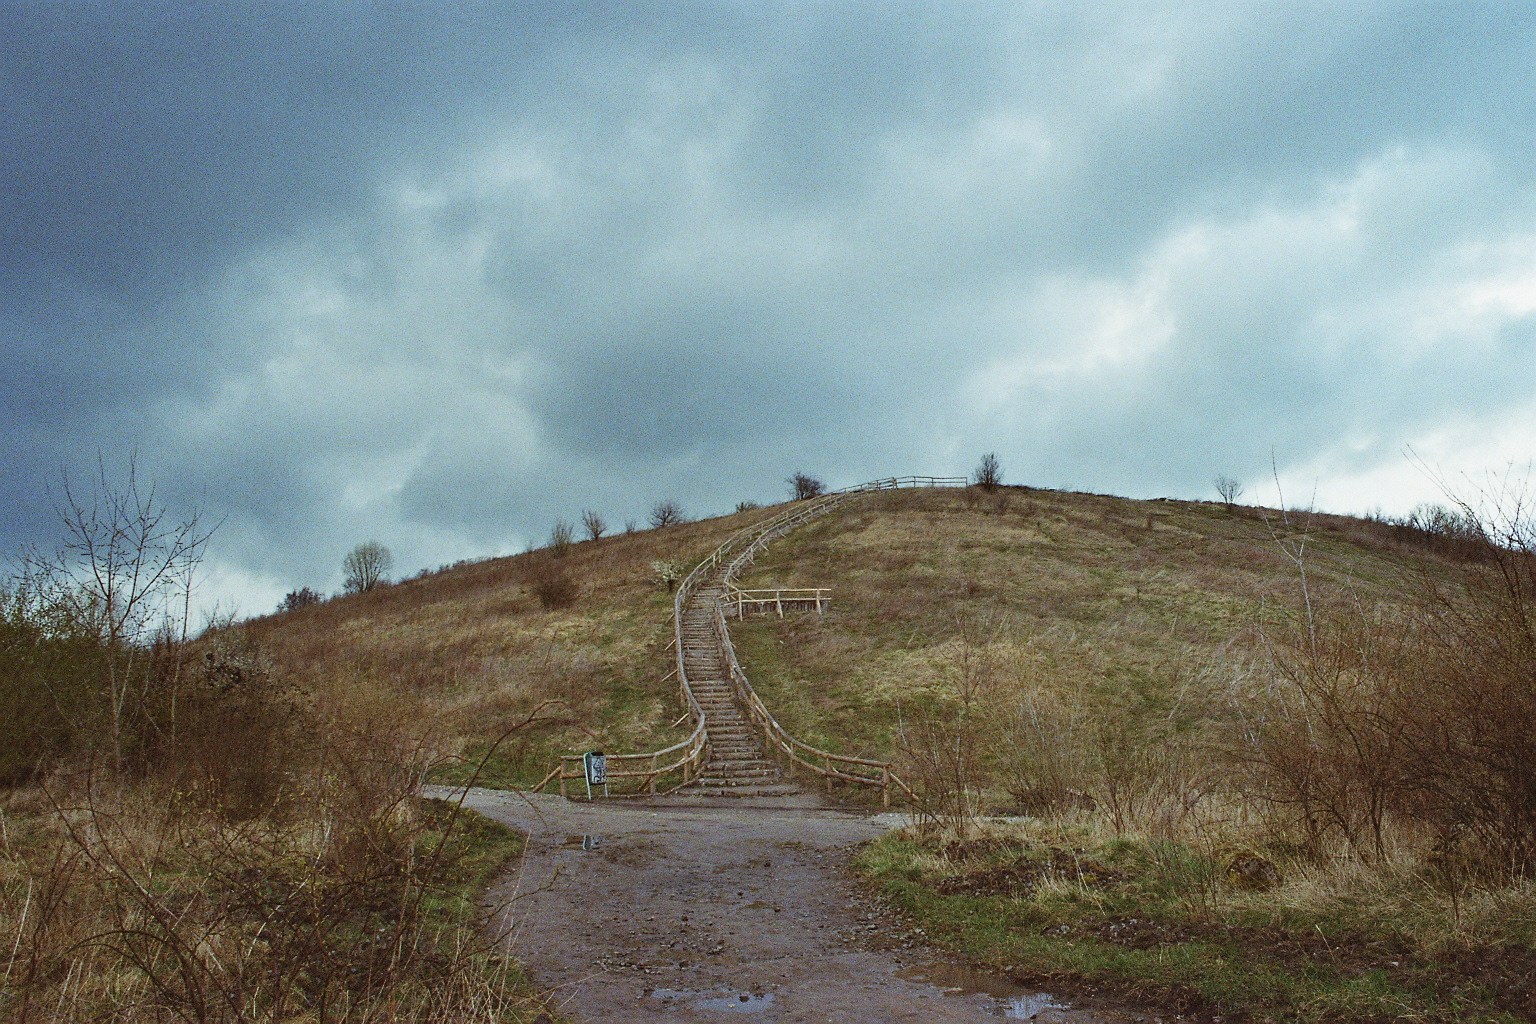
[659, 914]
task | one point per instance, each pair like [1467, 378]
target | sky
[443, 275]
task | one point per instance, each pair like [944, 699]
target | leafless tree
[988, 475]
[595, 524]
[560, 537]
[127, 569]
[805, 486]
[666, 513]
[366, 567]
[1229, 489]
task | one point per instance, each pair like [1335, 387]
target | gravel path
[690, 913]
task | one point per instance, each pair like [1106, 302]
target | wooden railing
[857, 770]
[746, 545]
[741, 548]
[644, 767]
[740, 602]
[891, 483]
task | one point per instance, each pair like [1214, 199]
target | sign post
[596, 764]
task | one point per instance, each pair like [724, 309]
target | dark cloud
[443, 275]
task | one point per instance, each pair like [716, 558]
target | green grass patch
[1160, 922]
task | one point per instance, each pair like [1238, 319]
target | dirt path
[698, 913]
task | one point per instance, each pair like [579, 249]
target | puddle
[1015, 1001]
[585, 842]
[743, 1002]
[735, 1002]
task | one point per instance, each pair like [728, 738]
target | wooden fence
[738, 552]
[740, 602]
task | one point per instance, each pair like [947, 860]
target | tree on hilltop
[365, 567]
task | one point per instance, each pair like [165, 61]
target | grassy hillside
[1259, 763]
[1057, 614]
[1051, 598]
[474, 649]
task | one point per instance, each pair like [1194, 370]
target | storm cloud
[443, 274]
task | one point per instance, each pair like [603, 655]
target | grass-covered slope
[1053, 608]
[479, 646]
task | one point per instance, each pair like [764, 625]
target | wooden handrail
[739, 601]
[742, 548]
[833, 766]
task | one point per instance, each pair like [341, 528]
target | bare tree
[666, 513]
[805, 486]
[366, 567]
[127, 569]
[988, 475]
[595, 524]
[1229, 489]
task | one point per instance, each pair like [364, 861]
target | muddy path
[692, 913]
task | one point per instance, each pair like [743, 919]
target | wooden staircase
[736, 766]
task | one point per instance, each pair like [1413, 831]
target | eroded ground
[692, 913]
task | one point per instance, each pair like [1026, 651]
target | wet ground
[688, 913]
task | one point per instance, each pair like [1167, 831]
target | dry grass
[1073, 606]
[332, 894]
[480, 645]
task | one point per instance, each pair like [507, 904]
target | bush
[560, 537]
[1420, 716]
[303, 598]
[669, 573]
[52, 687]
[551, 585]
[988, 475]
[805, 487]
[595, 525]
[365, 567]
[666, 513]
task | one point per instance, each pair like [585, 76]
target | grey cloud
[442, 275]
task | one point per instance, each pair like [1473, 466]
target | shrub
[988, 475]
[666, 513]
[668, 573]
[1229, 489]
[551, 585]
[595, 525]
[1420, 716]
[560, 536]
[304, 597]
[804, 486]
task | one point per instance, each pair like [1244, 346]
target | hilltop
[1097, 594]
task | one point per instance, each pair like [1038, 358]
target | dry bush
[239, 737]
[1418, 717]
[552, 585]
[666, 513]
[160, 900]
[942, 733]
[561, 536]
[595, 525]
[803, 486]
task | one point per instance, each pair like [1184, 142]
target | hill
[1253, 761]
[1055, 604]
